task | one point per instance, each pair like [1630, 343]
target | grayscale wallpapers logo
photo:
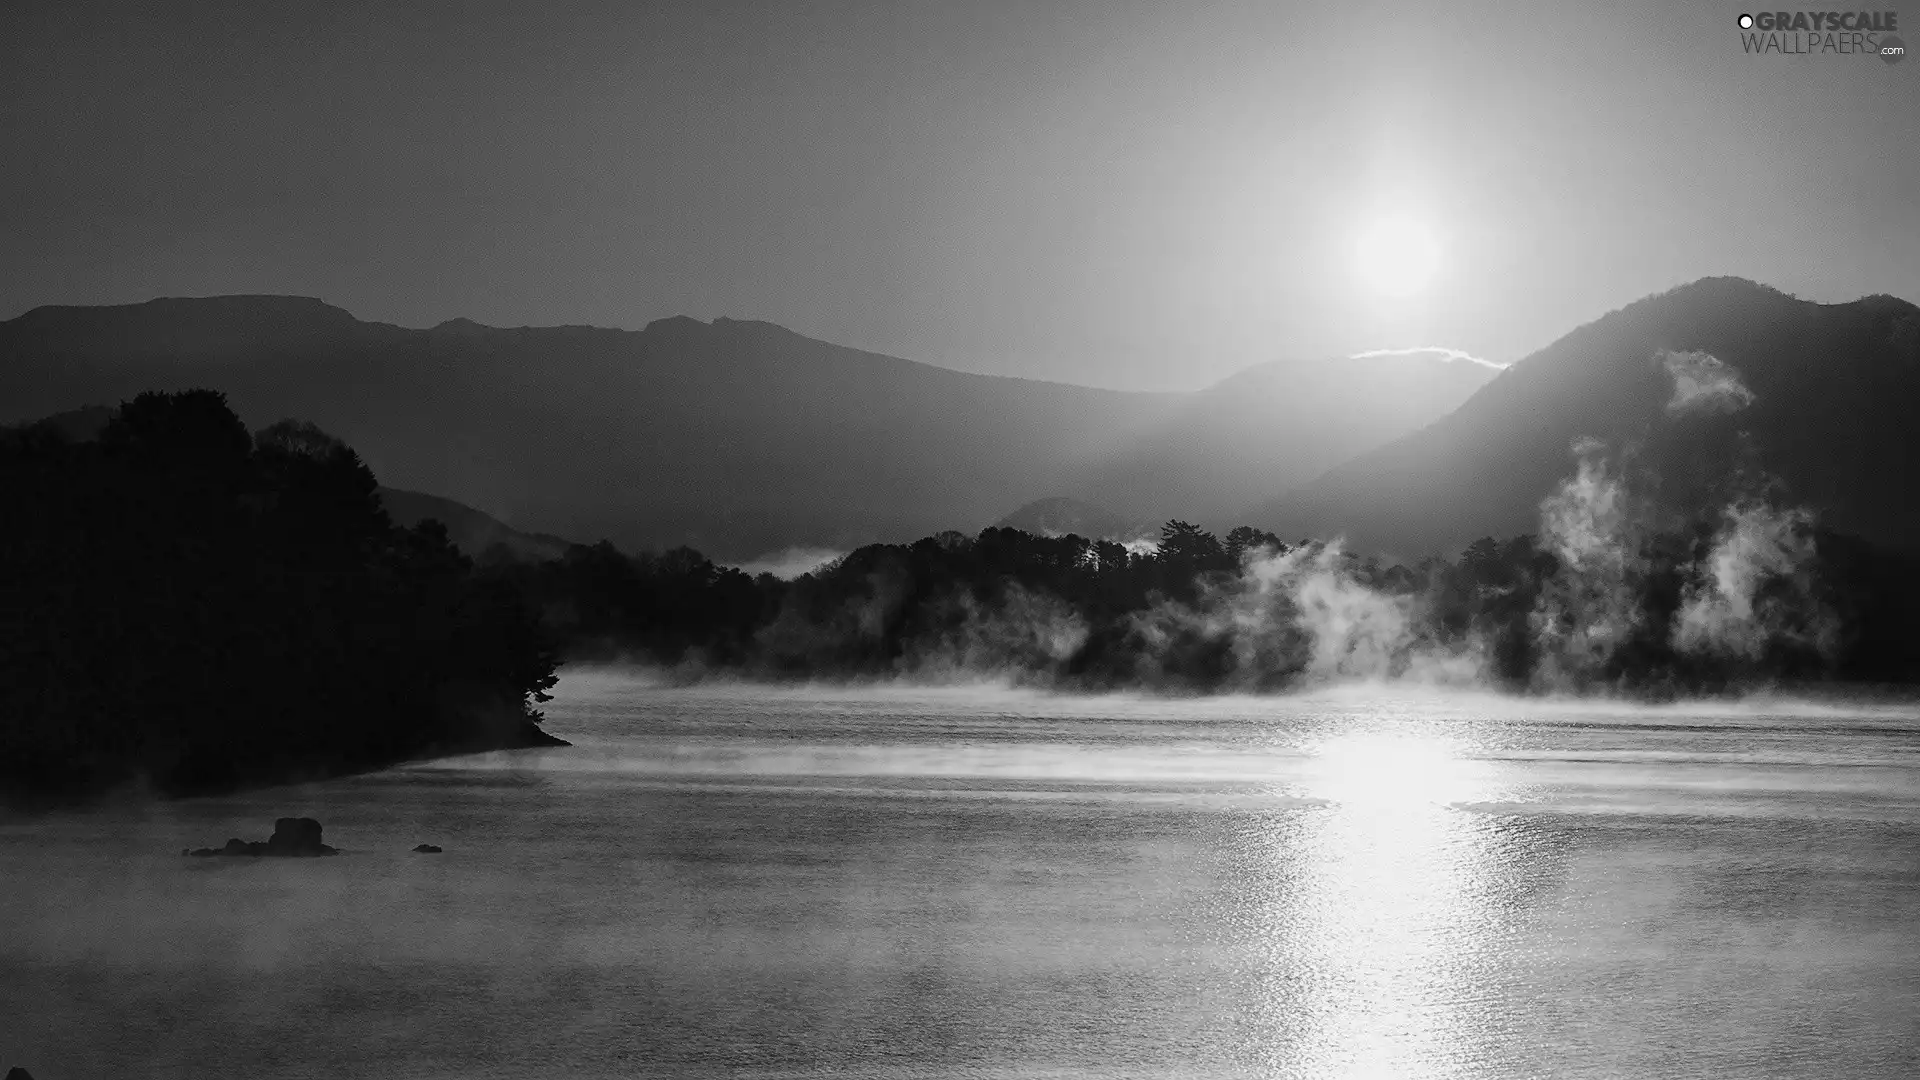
[1809, 33]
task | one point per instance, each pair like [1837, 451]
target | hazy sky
[1143, 195]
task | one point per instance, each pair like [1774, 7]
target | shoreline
[528, 735]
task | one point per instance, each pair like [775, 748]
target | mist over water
[727, 880]
[789, 563]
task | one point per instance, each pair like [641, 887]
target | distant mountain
[739, 438]
[470, 530]
[79, 425]
[1304, 416]
[1059, 516]
[1826, 410]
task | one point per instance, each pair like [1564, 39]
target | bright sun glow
[1397, 256]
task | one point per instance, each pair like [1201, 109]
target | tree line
[1249, 611]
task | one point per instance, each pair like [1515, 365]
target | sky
[1120, 194]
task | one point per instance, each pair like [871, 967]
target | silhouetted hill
[215, 326]
[1061, 516]
[473, 532]
[75, 425]
[1832, 389]
[1305, 416]
[737, 437]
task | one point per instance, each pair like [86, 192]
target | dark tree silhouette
[1245, 539]
[198, 608]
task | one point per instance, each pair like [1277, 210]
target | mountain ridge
[736, 436]
[1824, 382]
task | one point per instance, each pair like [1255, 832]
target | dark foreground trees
[194, 607]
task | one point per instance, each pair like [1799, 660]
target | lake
[982, 882]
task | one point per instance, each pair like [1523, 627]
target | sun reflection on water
[1375, 770]
[1387, 916]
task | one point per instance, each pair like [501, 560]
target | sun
[1397, 256]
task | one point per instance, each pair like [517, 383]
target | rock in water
[428, 849]
[296, 836]
[18, 1073]
[291, 837]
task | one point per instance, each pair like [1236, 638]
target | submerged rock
[18, 1073]
[428, 849]
[295, 837]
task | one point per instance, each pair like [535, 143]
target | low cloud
[1440, 351]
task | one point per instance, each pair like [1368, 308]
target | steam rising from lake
[1752, 589]
[1729, 608]
[1307, 616]
[1305, 611]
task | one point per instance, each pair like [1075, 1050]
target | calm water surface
[922, 883]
